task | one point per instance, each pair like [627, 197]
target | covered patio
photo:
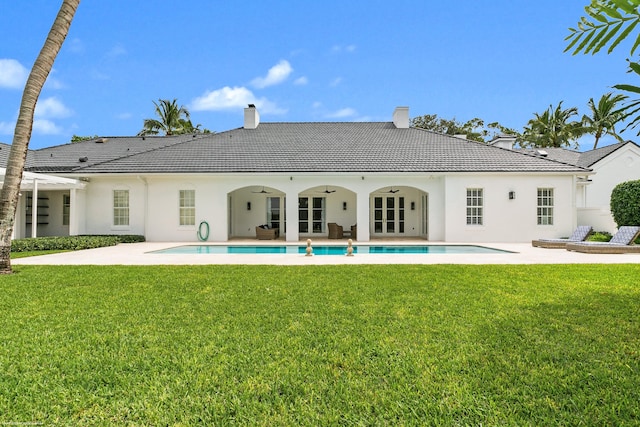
[47, 205]
[361, 210]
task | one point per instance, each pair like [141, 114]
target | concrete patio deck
[138, 254]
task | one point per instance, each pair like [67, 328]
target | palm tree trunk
[22, 135]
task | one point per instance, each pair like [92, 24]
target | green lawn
[341, 345]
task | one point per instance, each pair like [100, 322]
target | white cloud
[342, 113]
[232, 98]
[117, 50]
[277, 74]
[46, 127]
[51, 108]
[98, 75]
[335, 82]
[7, 128]
[223, 99]
[13, 74]
[75, 45]
[124, 116]
[301, 81]
[339, 48]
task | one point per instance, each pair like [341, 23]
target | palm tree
[604, 117]
[22, 134]
[552, 128]
[171, 119]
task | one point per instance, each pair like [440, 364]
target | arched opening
[255, 206]
[399, 211]
[327, 206]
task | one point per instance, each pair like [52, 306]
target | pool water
[330, 249]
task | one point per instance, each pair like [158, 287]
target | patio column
[73, 214]
[34, 209]
[291, 208]
[363, 216]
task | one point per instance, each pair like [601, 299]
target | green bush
[599, 236]
[625, 203]
[72, 243]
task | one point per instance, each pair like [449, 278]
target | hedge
[72, 243]
[625, 203]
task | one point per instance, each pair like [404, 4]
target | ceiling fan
[392, 191]
[263, 191]
[327, 191]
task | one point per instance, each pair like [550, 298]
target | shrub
[599, 236]
[72, 243]
[625, 203]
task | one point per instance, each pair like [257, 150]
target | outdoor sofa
[263, 233]
[579, 235]
[620, 243]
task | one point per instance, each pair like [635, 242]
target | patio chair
[579, 235]
[620, 243]
[335, 230]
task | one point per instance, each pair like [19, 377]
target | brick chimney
[251, 117]
[401, 117]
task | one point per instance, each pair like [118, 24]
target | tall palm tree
[22, 135]
[604, 117]
[553, 128]
[171, 119]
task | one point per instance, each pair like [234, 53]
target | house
[387, 178]
[611, 165]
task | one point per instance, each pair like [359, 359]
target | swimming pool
[329, 249]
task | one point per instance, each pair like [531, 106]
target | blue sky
[499, 60]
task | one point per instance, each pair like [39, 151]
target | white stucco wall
[222, 202]
[508, 220]
[620, 166]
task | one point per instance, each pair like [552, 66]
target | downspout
[146, 205]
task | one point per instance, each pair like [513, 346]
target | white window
[187, 207]
[66, 208]
[120, 207]
[474, 206]
[545, 206]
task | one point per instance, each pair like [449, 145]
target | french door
[311, 215]
[388, 215]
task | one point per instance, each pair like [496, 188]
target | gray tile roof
[584, 159]
[78, 155]
[294, 147]
[4, 154]
[589, 158]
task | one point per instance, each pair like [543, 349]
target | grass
[347, 345]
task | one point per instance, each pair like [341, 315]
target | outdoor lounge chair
[579, 235]
[335, 231]
[267, 233]
[620, 243]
